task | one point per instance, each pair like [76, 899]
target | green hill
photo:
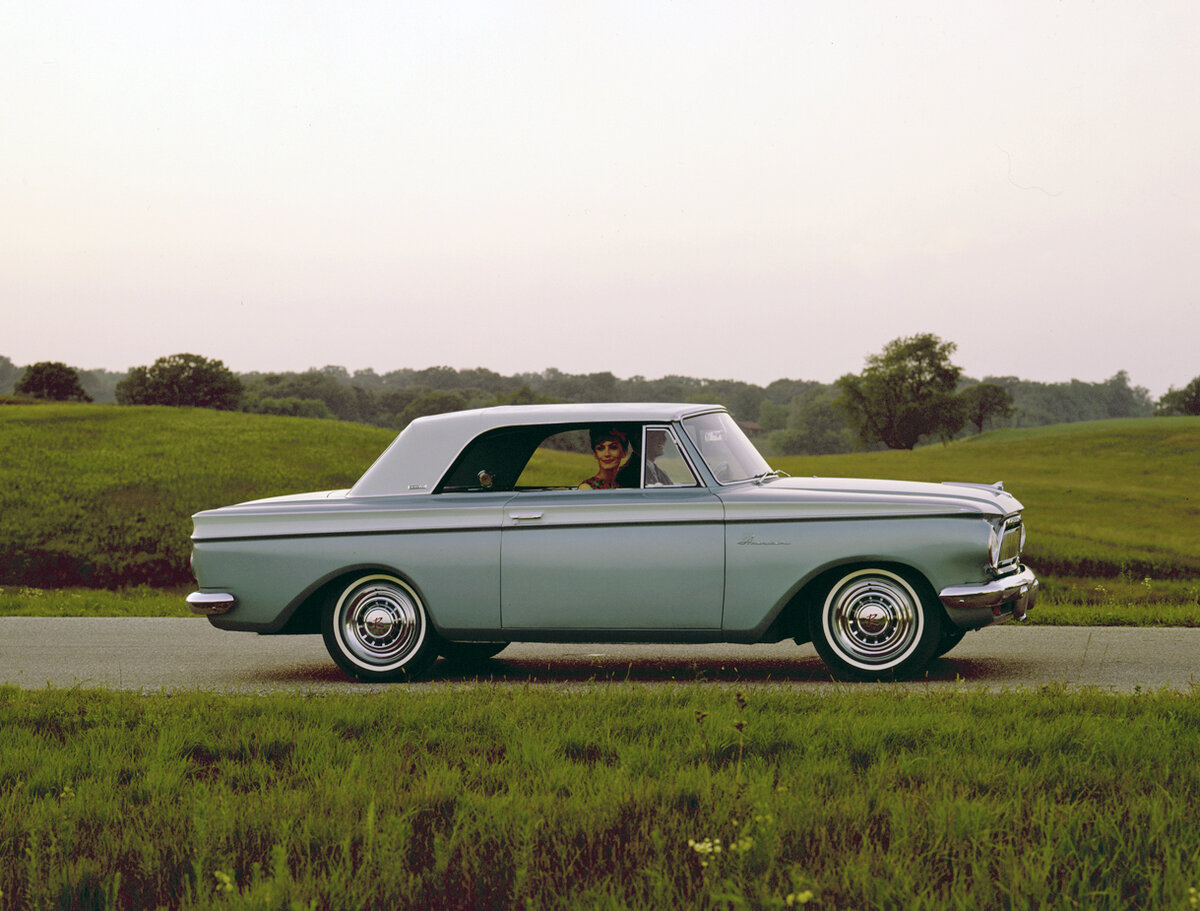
[101, 495]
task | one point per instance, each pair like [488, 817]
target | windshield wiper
[775, 473]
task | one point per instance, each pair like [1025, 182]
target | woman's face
[609, 454]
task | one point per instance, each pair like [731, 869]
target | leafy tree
[905, 392]
[100, 384]
[182, 380]
[1037, 404]
[815, 426]
[436, 402]
[772, 416]
[1181, 401]
[784, 392]
[54, 381]
[329, 385]
[1120, 400]
[523, 396]
[10, 373]
[394, 401]
[984, 401]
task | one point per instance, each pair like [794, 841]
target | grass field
[100, 496]
[691, 797]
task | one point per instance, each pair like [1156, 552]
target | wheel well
[306, 618]
[793, 620]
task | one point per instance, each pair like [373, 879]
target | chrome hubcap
[873, 619]
[380, 624]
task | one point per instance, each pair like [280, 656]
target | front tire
[873, 625]
[378, 630]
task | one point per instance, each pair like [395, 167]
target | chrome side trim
[209, 604]
[1017, 592]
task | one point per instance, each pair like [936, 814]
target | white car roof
[419, 457]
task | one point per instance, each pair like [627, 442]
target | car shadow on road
[799, 670]
[596, 670]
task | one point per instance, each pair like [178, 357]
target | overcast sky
[723, 190]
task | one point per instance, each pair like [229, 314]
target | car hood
[864, 497]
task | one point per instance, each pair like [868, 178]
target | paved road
[155, 654]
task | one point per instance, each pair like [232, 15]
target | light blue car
[611, 523]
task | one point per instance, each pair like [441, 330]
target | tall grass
[615, 798]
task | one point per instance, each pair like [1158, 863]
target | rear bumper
[210, 604]
[1010, 597]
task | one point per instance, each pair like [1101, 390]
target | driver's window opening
[663, 462]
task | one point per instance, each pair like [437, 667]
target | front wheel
[873, 625]
[378, 630]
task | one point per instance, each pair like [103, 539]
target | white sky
[723, 190]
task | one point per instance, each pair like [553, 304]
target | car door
[609, 560]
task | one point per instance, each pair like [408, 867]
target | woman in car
[610, 446]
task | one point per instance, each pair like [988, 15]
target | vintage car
[472, 530]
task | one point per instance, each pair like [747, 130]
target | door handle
[524, 516]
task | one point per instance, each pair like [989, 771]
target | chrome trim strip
[492, 529]
[209, 604]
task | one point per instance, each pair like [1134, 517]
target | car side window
[662, 460]
[491, 462]
[559, 460]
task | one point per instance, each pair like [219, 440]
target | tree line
[908, 394]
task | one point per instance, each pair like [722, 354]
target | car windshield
[725, 449]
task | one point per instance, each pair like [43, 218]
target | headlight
[993, 545]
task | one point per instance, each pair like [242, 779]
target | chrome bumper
[210, 603]
[1009, 596]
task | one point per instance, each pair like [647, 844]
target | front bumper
[1010, 597]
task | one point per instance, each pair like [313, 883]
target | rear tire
[378, 630]
[873, 625]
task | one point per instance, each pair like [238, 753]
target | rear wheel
[874, 625]
[378, 630]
